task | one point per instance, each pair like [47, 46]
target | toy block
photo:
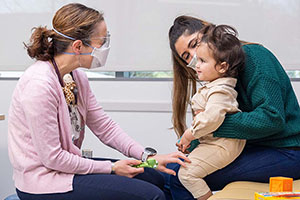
[281, 184]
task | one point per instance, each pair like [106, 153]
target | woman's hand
[124, 168]
[163, 160]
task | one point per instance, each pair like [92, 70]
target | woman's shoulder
[261, 64]
[259, 56]
[39, 79]
[39, 71]
[256, 49]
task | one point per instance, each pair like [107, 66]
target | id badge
[75, 122]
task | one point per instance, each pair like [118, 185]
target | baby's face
[206, 66]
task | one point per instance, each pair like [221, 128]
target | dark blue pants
[254, 164]
[145, 186]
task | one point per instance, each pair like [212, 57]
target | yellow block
[276, 195]
[281, 184]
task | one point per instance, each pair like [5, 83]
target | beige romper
[214, 99]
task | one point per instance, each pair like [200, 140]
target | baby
[217, 59]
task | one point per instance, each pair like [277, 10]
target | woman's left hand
[163, 160]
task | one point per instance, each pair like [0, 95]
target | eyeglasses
[105, 41]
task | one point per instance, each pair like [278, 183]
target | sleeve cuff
[102, 167]
[136, 151]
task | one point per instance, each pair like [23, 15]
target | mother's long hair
[184, 80]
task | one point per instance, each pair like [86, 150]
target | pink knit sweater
[41, 151]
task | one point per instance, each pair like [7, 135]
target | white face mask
[99, 54]
[193, 63]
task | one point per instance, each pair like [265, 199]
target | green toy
[151, 163]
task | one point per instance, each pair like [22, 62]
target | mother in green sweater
[269, 121]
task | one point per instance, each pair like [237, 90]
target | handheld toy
[151, 163]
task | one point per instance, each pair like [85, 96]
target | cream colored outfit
[214, 100]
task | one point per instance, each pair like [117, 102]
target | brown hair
[74, 20]
[184, 78]
[226, 47]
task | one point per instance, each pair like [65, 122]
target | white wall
[149, 123]
[141, 108]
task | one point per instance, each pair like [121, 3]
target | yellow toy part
[277, 195]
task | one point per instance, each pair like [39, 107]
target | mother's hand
[163, 160]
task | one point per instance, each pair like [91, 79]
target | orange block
[281, 184]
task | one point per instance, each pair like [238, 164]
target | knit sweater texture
[270, 111]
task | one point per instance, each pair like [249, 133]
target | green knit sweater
[270, 111]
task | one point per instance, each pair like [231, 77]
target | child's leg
[192, 177]
[206, 159]
[203, 163]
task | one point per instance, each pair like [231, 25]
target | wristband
[112, 167]
[148, 152]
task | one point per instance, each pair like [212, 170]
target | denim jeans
[255, 163]
[145, 186]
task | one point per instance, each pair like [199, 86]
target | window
[293, 74]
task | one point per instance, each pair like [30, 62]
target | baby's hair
[226, 47]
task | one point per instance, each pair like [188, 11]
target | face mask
[193, 63]
[99, 54]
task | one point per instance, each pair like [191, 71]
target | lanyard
[75, 91]
[73, 110]
[57, 72]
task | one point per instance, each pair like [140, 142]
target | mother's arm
[266, 119]
[264, 86]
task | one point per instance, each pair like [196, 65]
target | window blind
[139, 28]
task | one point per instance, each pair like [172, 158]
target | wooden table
[2, 117]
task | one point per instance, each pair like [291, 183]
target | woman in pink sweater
[50, 107]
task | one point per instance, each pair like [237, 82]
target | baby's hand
[180, 147]
[185, 140]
